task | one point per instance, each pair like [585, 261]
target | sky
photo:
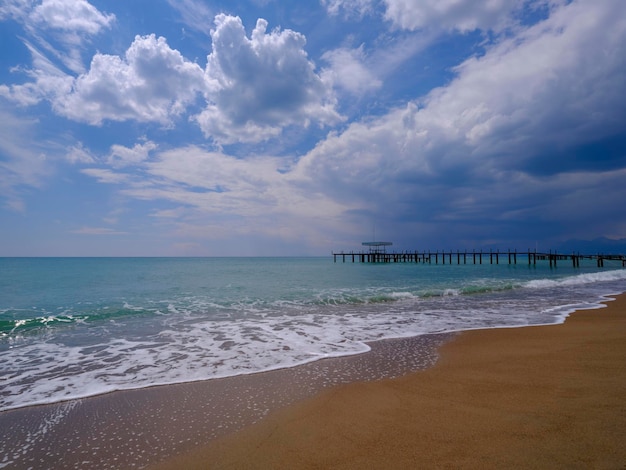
[268, 127]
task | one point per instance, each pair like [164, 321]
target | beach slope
[533, 397]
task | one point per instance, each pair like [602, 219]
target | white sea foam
[580, 279]
[402, 295]
[195, 349]
[170, 339]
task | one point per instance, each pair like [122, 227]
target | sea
[77, 327]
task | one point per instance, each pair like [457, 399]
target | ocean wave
[9, 327]
[578, 279]
[20, 322]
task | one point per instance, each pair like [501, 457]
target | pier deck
[474, 257]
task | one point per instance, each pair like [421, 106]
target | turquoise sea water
[76, 327]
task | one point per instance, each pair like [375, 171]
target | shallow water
[77, 327]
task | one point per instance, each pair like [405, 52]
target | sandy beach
[534, 397]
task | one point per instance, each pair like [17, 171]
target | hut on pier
[377, 252]
[377, 247]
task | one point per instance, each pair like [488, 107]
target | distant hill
[598, 245]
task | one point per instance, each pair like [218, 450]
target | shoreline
[371, 344]
[549, 396]
[144, 426]
[161, 426]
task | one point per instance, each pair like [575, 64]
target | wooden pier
[377, 254]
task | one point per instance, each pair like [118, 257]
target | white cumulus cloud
[71, 15]
[122, 156]
[262, 84]
[152, 82]
[349, 70]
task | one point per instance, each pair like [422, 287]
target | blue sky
[265, 127]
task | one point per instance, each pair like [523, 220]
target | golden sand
[535, 397]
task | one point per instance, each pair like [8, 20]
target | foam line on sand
[533, 397]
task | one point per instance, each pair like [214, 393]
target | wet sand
[132, 429]
[534, 397]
